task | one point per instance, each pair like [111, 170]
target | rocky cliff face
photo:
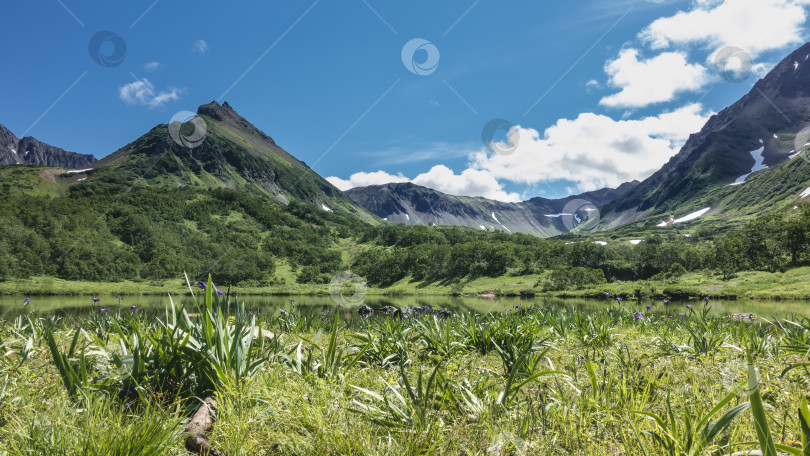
[30, 151]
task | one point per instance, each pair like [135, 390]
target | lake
[11, 306]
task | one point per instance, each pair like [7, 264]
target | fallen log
[202, 420]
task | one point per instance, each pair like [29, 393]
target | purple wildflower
[649, 307]
[291, 300]
[618, 298]
[666, 301]
[133, 307]
[608, 294]
[682, 315]
[96, 300]
[283, 312]
[26, 301]
[102, 310]
[119, 298]
[219, 292]
[638, 316]
[201, 285]
[689, 307]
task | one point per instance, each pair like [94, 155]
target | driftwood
[202, 420]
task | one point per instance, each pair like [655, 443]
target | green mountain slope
[764, 123]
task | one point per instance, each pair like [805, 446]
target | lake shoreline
[792, 285]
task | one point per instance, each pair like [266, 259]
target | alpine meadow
[623, 268]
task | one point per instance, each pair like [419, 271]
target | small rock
[365, 311]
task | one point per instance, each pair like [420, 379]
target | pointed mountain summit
[755, 133]
[221, 150]
[30, 151]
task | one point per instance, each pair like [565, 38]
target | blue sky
[593, 93]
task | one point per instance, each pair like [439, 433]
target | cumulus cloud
[594, 150]
[200, 47]
[754, 25]
[656, 80]
[471, 182]
[151, 66]
[142, 93]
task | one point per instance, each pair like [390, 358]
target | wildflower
[607, 294]
[96, 300]
[682, 315]
[649, 307]
[517, 306]
[706, 298]
[219, 292]
[689, 307]
[283, 312]
[426, 309]
[638, 316]
[751, 317]
[291, 300]
[133, 308]
[618, 298]
[666, 301]
[201, 285]
[102, 310]
[26, 301]
[119, 298]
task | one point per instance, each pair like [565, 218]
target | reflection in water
[11, 306]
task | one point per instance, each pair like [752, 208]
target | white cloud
[200, 47]
[151, 66]
[755, 26]
[471, 182]
[142, 93]
[656, 80]
[362, 179]
[594, 150]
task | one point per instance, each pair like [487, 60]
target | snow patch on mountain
[693, 215]
[759, 164]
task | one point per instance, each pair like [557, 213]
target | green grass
[551, 382]
[793, 284]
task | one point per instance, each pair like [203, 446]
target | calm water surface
[11, 306]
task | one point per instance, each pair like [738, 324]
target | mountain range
[742, 163]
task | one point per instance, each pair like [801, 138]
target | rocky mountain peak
[30, 151]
